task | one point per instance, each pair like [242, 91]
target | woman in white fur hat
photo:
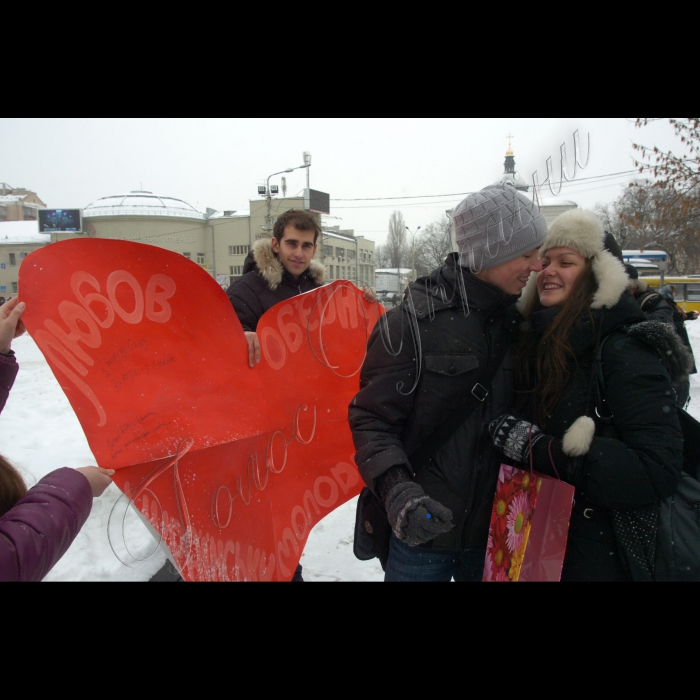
[630, 461]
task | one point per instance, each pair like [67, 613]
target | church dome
[515, 180]
[141, 203]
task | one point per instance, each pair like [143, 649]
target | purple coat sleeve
[8, 372]
[37, 531]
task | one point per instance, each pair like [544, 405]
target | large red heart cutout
[232, 466]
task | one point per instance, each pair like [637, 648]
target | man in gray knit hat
[434, 374]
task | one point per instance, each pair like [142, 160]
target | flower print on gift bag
[525, 543]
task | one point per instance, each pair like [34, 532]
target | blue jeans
[435, 564]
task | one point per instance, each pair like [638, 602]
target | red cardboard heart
[232, 466]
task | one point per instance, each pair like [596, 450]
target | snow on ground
[39, 432]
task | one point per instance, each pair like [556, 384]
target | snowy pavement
[39, 432]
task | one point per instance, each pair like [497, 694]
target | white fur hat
[578, 229]
[583, 231]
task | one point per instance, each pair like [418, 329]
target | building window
[337, 272]
[13, 262]
[200, 258]
[327, 251]
[22, 256]
[340, 253]
[236, 269]
[330, 273]
[188, 255]
[351, 255]
[14, 287]
[238, 249]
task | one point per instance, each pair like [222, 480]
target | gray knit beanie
[496, 225]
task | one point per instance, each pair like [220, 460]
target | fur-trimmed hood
[583, 231]
[609, 273]
[272, 270]
[662, 338]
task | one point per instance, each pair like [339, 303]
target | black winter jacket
[423, 359]
[632, 461]
[268, 283]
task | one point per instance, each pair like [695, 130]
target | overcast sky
[219, 163]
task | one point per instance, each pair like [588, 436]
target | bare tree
[678, 173]
[433, 245]
[609, 214]
[381, 257]
[676, 191]
[650, 216]
[396, 246]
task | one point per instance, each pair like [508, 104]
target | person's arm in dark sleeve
[379, 411]
[658, 309]
[245, 303]
[8, 373]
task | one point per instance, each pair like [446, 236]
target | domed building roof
[510, 176]
[515, 180]
[141, 203]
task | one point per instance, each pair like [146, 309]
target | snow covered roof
[555, 202]
[141, 203]
[514, 179]
[333, 234]
[230, 214]
[17, 232]
[641, 262]
[11, 198]
[392, 271]
[645, 254]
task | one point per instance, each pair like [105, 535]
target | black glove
[414, 517]
[512, 437]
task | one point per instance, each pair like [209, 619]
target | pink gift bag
[529, 527]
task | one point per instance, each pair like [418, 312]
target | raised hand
[11, 325]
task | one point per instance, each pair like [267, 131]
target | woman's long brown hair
[553, 350]
[12, 486]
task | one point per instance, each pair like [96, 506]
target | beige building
[17, 240]
[219, 241]
[18, 204]
[347, 256]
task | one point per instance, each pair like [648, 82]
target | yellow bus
[687, 289]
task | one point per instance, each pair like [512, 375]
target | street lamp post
[413, 249]
[268, 196]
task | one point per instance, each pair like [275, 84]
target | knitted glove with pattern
[513, 436]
